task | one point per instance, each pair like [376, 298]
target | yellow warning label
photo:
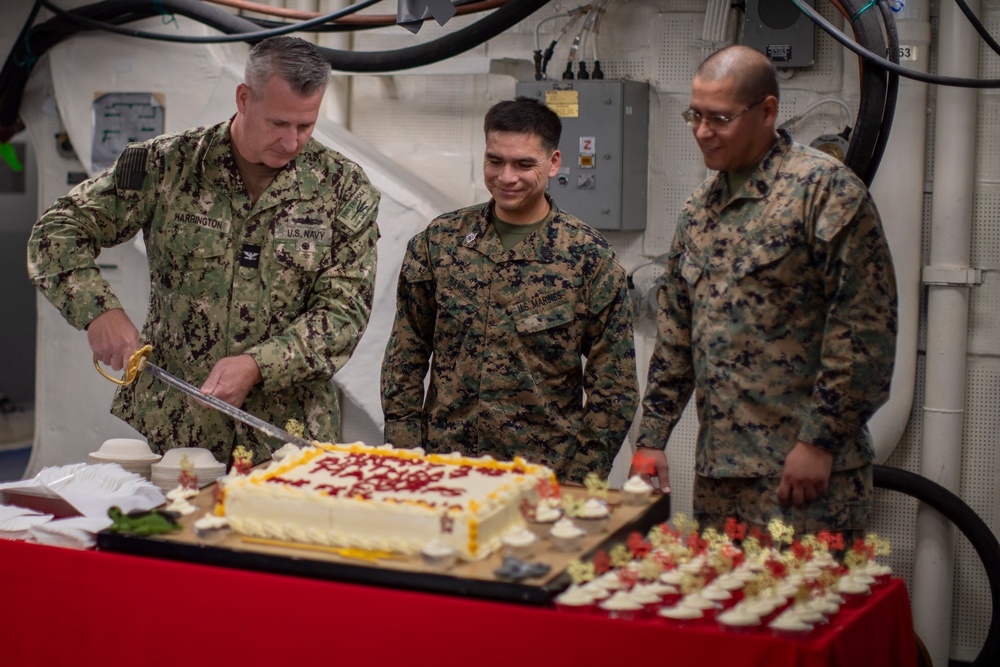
[566, 103]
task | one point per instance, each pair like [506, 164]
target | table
[61, 607]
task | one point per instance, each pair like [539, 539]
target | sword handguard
[132, 369]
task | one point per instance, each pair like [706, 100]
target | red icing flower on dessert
[639, 546]
[548, 489]
[801, 551]
[602, 562]
[833, 541]
[735, 530]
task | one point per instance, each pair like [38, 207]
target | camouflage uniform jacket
[288, 280]
[778, 305]
[506, 331]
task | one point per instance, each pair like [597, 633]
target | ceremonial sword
[139, 361]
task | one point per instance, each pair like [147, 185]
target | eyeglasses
[715, 123]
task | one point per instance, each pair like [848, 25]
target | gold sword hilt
[132, 369]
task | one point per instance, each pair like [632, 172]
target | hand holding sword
[139, 362]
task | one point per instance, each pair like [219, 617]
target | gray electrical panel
[604, 147]
[779, 30]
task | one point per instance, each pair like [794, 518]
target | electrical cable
[462, 7]
[891, 96]
[874, 89]
[974, 529]
[253, 35]
[818, 103]
[54, 30]
[955, 82]
[42, 37]
[977, 24]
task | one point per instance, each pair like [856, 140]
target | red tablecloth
[65, 607]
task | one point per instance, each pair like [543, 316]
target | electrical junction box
[604, 147]
[779, 30]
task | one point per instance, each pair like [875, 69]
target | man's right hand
[662, 475]
[113, 338]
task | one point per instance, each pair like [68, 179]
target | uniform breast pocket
[197, 247]
[540, 319]
[547, 338]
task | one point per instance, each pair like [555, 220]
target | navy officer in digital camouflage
[500, 301]
[778, 309]
[261, 250]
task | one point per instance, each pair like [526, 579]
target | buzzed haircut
[295, 60]
[755, 74]
[525, 115]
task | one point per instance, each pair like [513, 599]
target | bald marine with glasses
[777, 309]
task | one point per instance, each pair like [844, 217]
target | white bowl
[200, 458]
[125, 448]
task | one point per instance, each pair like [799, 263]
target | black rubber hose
[891, 95]
[12, 82]
[874, 89]
[460, 41]
[975, 530]
[44, 36]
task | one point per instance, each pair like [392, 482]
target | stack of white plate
[130, 453]
[167, 472]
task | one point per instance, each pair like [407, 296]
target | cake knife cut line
[139, 361]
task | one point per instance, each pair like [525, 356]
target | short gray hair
[295, 60]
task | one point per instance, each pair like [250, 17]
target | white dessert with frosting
[594, 509]
[716, 594]
[823, 605]
[546, 513]
[636, 490]
[698, 601]
[807, 614]
[661, 588]
[761, 605]
[181, 493]
[878, 571]
[575, 596]
[620, 601]
[383, 498]
[645, 594]
[610, 580]
[672, 577]
[679, 612]
[738, 617]
[596, 591]
[519, 537]
[850, 586]
[211, 522]
[790, 623]
[729, 581]
[181, 506]
[565, 529]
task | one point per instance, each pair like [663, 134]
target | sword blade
[225, 408]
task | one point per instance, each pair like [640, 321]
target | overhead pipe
[898, 190]
[948, 285]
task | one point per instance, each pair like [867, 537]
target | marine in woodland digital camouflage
[503, 333]
[288, 280]
[778, 308]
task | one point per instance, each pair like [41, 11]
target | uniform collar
[295, 181]
[760, 182]
[483, 238]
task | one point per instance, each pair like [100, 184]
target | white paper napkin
[92, 489]
[78, 532]
[15, 522]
